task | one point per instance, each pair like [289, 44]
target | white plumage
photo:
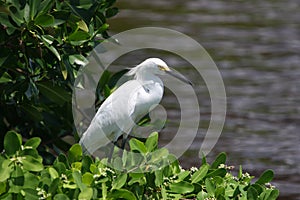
[129, 103]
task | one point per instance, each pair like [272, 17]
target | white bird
[128, 104]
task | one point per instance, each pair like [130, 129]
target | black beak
[176, 74]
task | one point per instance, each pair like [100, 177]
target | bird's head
[157, 66]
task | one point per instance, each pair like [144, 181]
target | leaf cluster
[43, 43]
[78, 176]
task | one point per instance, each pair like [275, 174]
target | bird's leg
[124, 141]
[113, 144]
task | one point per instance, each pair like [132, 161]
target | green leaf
[5, 78]
[16, 15]
[110, 12]
[209, 187]
[48, 39]
[31, 180]
[274, 194]
[152, 142]
[33, 142]
[221, 159]
[18, 176]
[54, 186]
[182, 175]
[61, 197]
[202, 195]
[217, 172]
[33, 5]
[75, 153]
[159, 155]
[137, 145]
[252, 193]
[87, 178]
[78, 180]
[181, 187]
[60, 167]
[86, 194]
[122, 194]
[82, 25]
[54, 93]
[44, 20]
[79, 36]
[240, 174]
[31, 194]
[78, 59]
[32, 164]
[5, 169]
[53, 173]
[86, 163]
[45, 6]
[200, 174]
[120, 181]
[266, 177]
[2, 187]
[32, 112]
[12, 142]
[159, 179]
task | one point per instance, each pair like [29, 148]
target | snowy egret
[128, 104]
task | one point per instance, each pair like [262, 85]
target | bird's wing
[112, 118]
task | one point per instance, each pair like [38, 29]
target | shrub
[43, 43]
[77, 176]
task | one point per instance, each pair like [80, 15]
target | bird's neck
[148, 79]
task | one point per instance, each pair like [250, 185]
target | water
[256, 46]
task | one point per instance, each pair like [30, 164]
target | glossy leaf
[32, 112]
[86, 194]
[200, 174]
[181, 187]
[252, 193]
[79, 36]
[152, 142]
[61, 197]
[75, 153]
[82, 25]
[221, 159]
[31, 194]
[111, 12]
[33, 142]
[78, 59]
[5, 78]
[53, 173]
[120, 181]
[78, 180]
[266, 177]
[12, 142]
[32, 164]
[274, 194]
[33, 7]
[122, 194]
[18, 176]
[137, 145]
[87, 178]
[217, 172]
[54, 93]
[210, 188]
[5, 169]
[159, 178]
[44, 20]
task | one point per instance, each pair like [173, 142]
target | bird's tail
[92, 139]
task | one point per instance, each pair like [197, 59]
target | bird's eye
[161, 68]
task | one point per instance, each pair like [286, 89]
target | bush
[77, 176]
[43, 43]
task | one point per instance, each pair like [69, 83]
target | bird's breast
[148, 96]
